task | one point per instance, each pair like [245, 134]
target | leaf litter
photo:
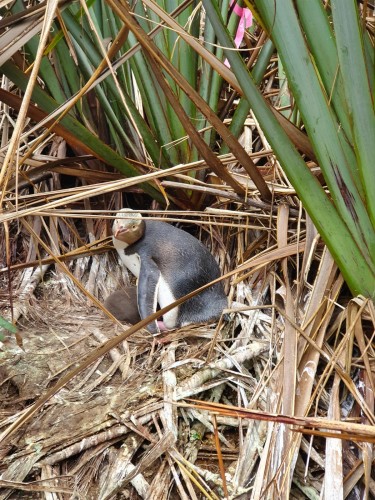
[142, 421]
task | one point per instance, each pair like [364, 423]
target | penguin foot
[157, 327]
[162, 326]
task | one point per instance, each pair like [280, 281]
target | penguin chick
[169, 263]
[123, 304]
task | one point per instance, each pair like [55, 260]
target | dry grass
[275, 402]
[295, 346]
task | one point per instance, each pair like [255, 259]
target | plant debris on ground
[276, 400]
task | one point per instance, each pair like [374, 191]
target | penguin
[168, 263]
[123, 304]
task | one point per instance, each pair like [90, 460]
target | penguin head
[128, 226]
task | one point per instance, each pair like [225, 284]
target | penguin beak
[120, 230]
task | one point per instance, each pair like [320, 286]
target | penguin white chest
[132, 262]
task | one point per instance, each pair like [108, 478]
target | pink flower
[246, 20]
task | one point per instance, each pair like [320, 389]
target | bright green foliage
[134, 118]
[323, 87]
[6, 325]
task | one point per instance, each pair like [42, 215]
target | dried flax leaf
[15, 38]
[333, 364]
[115, 354]
[193, 474]
[193, 384]
[355, 315]
[368, 448]
[289, 366]
[178, 481]
[91, 285]
[120, 468]
[202, 478]
[188, 482]
[309, 361]
[30, 278]
[169, 414]
[79, 194]
[249, 453]
[315, 323]
[273, 456]
[49, 488]
[159, 487]
[333, 478]
[269, 386]
[312, 238]
[91, 446]
[18, 469]
[158, 449]
[353, 477]
[261, 483]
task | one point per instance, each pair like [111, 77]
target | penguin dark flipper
[148, 283]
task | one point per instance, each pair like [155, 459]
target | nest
[200, 412]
